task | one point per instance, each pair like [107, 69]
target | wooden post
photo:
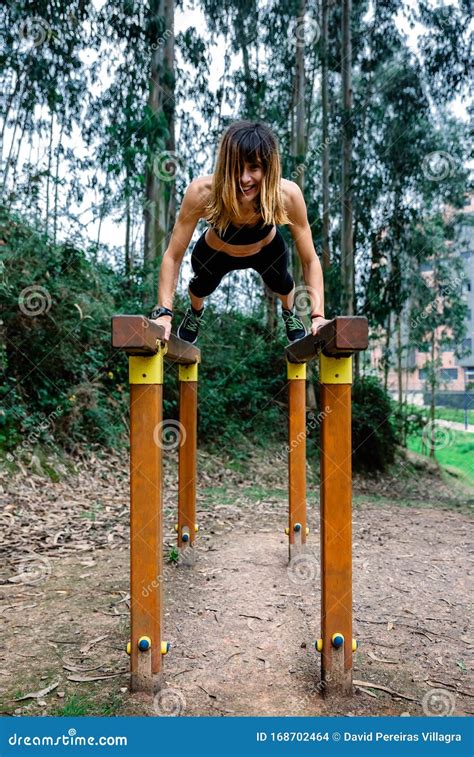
[187, 526]
[143, 341]
[146, 550]
[297, 529]
[336, 524]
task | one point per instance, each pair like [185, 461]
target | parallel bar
[296, 459]
[340, 337]
[138, 335]
[336, 536]
[188, 392]
[146, 552]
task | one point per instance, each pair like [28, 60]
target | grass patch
[264, 492]
[217, 494]
[456, 450]
[84, 704]
[453, 414]
[446, 413]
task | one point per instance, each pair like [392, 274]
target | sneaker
[189, 327]
[294, 325]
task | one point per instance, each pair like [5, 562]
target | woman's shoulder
[199, 191]
[289, 190]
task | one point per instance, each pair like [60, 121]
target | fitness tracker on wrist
[159, 311]
[317, 315]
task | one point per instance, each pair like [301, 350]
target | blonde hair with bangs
[254, 143]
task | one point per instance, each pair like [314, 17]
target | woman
[243, 201]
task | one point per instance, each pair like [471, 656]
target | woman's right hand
[165, 321]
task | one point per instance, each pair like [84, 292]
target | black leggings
[210, 266]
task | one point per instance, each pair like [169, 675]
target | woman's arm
[190, 212]
[310, 264]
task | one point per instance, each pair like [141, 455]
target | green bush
[374, 434]
[61, 378]
[63, 383]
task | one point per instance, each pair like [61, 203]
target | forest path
[241, 622]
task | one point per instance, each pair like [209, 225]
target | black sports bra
[244, 234]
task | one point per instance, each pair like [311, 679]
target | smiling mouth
[248, 189]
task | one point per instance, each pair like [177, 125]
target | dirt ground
[242, 623]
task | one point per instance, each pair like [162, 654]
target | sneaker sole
[185, 340]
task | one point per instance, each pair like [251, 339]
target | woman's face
[250, 182]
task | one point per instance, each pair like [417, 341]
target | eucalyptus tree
[437, 309]
[43, 80]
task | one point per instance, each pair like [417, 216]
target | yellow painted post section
[335, 376]
[296, 370]
[296, 374]
[335, 370]
[146, 370]
[188, 390]
[188, 372]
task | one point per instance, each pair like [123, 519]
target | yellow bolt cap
[144, 643]
[165, 647]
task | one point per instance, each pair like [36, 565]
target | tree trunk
[159, 167]
[398, 322]
[17, 157]
[128, 253]
[432, 398]
[170, 110]
[325, 135]
[299, 137]
[48, 174]
[271, 310]
[56, 183]
[8, 108]
[386, 365]
[347, 255]
[10, 152]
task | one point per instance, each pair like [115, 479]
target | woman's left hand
[316, 323]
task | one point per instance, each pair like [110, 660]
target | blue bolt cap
[338, 640]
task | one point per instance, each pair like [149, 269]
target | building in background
[456, 374]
